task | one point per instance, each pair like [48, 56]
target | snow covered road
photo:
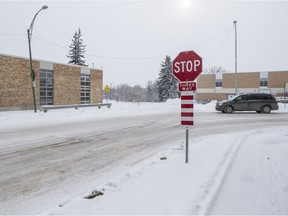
[61, 157]
[48, 159]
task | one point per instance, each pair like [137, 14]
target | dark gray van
[259, 102]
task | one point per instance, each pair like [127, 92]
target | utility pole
[32, 72]
[236, 75]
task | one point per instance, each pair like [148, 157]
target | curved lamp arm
[44, 7]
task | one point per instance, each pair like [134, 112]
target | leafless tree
[214, 70]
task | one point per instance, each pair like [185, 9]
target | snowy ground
[231, 173]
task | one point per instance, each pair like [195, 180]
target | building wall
[214, 96]
[247, 83]
[16, 85]
[15, 82]
[206, 81]
[228, 80]
[66, 84]
[277, 79]
[245, 80]
[96, 86]
[248, 80]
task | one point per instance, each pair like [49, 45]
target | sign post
[285, 93]
[186, 67]
[107, 90]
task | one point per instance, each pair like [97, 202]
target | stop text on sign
[186, 66]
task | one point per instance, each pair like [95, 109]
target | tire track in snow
[222, 172]
[257, 181]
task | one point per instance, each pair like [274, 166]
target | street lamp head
[235, 22]
[44, 7]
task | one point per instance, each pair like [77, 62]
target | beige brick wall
[248, 80]
[245, 80]
[228, 80]
[67, 84]
[277, 79]
[96, 86]
[206, 81]
[15, 82]
[213, 96]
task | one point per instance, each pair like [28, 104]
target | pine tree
[166, 83]
[151, 92]
[77, 49]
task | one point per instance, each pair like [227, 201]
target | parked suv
[259, 102]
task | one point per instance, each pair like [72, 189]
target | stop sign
[187, 66]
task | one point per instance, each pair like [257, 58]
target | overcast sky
[129, 39]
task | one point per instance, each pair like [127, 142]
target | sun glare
[184, 3]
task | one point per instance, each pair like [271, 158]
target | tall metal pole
[32, 73]
[187, 145]
[285, 93]
[236, 75]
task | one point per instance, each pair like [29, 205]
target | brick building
[56, 84]
[224, 85]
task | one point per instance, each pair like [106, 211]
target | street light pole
[110, 90]
[236, 75]
[32, 73]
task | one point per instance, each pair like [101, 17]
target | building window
[218, 83]
[85, 88]
[46, 87]
[263, 82]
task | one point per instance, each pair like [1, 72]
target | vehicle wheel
[228, 109]
[266, 109]
[258, 111]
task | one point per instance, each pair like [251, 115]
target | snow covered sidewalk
[257, 183]
[258, 178]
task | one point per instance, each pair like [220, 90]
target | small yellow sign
[107, 89]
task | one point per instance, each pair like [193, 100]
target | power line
[226, 39]
[134, 58]
[49, 42]
[12, 34]
[213, 38]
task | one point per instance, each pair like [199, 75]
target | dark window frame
[263, 82]
[46, 87]
[85, 88]
[218, 83]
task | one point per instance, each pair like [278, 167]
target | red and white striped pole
[187, 115]
[187, 107]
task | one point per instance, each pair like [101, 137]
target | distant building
[56, 84]
[223, 85]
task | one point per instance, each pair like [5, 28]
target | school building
[55, 84]
[222, 86]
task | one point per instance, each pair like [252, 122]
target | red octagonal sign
[187, 66]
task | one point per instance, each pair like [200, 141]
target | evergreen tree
[151, 92]
[166, 83]
[77, 49]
